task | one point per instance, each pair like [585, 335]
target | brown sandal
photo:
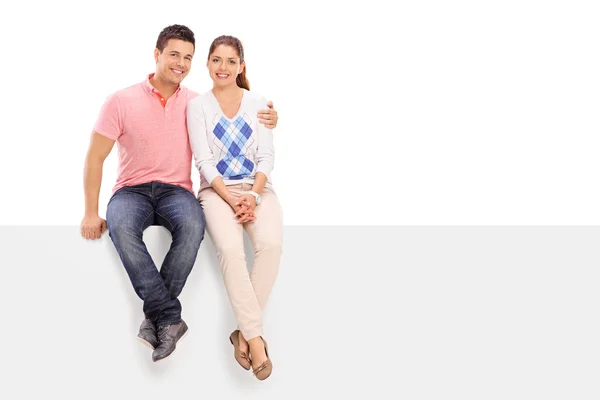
[263, 371]
[240, 356]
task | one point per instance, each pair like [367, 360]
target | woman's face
[224, 65]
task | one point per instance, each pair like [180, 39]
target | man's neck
[166, 89]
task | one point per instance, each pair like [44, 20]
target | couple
[158, 125]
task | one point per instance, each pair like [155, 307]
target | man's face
[175, 61]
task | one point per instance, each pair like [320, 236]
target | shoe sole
[174, 350]
[145, 342]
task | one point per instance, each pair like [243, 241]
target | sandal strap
[260, 367]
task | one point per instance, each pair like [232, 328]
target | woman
[234, 154]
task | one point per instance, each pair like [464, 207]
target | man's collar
[151, 89]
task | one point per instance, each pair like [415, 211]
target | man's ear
[156, 54]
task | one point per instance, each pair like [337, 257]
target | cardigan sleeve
[203, 155]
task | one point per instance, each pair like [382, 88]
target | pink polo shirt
[152, 139]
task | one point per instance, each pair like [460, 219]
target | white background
[409, 313]
[434, 112]
[463, 112]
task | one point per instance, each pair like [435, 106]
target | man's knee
[193, 227]
[122, 229]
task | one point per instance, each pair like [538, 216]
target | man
[154, 187]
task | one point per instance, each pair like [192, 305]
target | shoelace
[162, 331]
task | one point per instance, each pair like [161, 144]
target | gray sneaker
[147, 334]
[168, 336]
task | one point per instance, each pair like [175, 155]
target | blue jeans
[130, 211]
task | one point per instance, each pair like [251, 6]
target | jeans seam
[166, 219]
[146, 218]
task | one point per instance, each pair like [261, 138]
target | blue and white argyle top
[233, 140]
[234, 148]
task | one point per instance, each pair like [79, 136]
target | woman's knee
[270, 246]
